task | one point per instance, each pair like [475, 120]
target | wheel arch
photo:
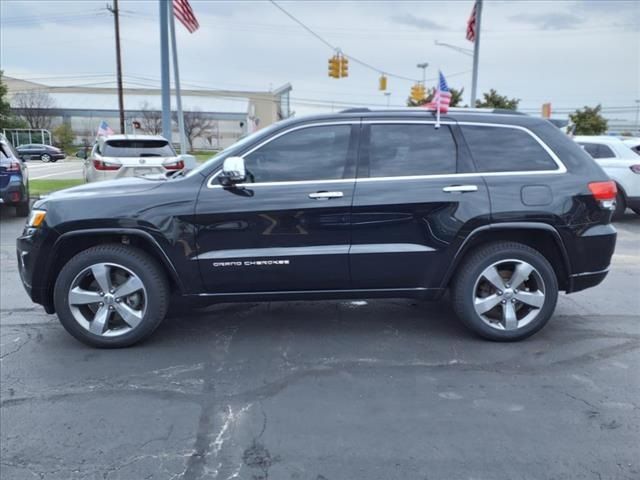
[71, 243]
[540, 236]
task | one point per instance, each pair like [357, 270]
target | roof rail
[501, 111]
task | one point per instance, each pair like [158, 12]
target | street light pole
[423, 66]
[164, 69]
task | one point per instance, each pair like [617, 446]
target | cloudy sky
[571, 53]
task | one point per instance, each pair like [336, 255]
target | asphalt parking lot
[392, 389]
[69, 168]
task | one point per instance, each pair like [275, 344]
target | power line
[332, 47]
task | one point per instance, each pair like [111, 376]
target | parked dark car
[14, 179]
[46, 153]
[502, 210]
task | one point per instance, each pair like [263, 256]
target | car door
[287, 227]
[415, 197]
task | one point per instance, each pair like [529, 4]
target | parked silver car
[119, 156]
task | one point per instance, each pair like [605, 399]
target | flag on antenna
[471, 23]
[183, 12]
[104, 130]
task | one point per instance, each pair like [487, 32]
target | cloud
[549, 21]
[418, 22]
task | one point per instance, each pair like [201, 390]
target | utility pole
[423, 66]
[116, 18]
[476, 53]
[164, 67]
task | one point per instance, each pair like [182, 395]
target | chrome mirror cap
[233, 171]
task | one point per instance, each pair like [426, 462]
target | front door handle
[460, 188]
[325, 195]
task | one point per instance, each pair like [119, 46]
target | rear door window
[397, 150]
[138, 148]
[506, 149]
[598, 150]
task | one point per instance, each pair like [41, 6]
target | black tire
[45, 157]
[142, 265]
[621, 206]
[636, 211]
[463, 291]
[23, 209]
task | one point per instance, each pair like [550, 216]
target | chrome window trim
[560, 170]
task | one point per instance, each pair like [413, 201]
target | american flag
[471, 24]
[442, 96]
[183, 12]
[104, 130]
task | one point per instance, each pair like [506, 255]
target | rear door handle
[460, 188]
[325, 195]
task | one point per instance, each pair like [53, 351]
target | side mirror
[233, 171]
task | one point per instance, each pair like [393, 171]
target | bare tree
[151, 121]
[35, 107]
[197, 125]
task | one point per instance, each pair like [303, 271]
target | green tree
[456, 98]
[7, 119]
[493, 99]
[589, 121]
[63, 136]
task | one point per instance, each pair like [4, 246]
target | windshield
[235, 149]
[138, 148]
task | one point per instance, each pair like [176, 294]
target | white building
[229, 114]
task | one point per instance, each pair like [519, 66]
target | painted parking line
[68, 172]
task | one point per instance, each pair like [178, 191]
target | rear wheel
[45, 157]
[505, 291]
[111, 296]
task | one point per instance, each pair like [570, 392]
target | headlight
[36, 218]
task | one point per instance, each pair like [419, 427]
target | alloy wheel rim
[46, 158]
[509, 294]
[108, 299]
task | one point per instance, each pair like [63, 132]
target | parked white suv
[118, 156]
[621, 163]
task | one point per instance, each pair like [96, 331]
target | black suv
[503, 210]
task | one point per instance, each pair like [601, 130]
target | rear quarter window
[506, 149]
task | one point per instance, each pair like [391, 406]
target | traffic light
[344, 66]
[334, 67]
[417, 92]
[383, 83]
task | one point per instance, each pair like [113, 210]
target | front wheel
[111, 296]
[45, 157]
[505, 291]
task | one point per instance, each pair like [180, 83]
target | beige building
[228, 114]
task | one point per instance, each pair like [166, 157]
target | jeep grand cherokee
[500, 209]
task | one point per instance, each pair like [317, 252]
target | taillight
[104, 166]
[635, 168]
[604, 193]
[13, 167]
[177, 165]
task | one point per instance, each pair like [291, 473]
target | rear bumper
[584, 280]
[591, 254]
[13, 193]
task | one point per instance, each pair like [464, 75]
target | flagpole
[176, 78]
[476, 53]
[164, 70]
[438, 100]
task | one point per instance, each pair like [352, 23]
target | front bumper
[31, 246]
